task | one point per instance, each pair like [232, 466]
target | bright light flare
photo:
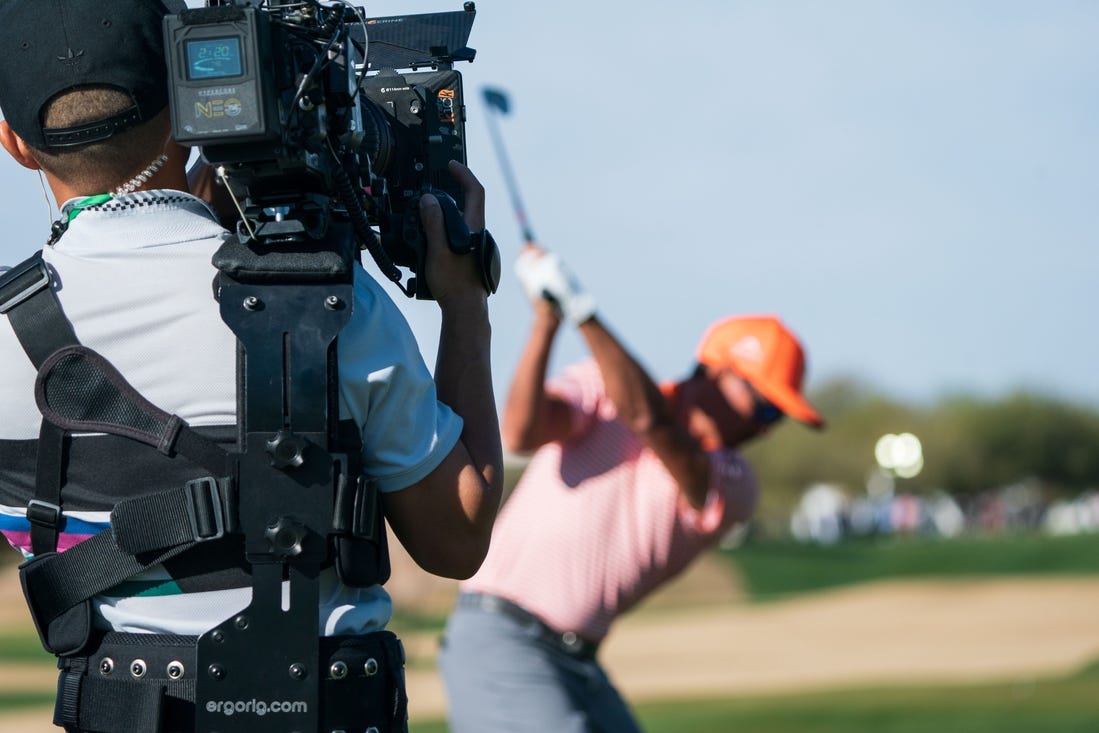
[901, 454]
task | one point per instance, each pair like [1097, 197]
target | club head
[497, 99]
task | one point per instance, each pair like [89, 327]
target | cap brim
[791, 403]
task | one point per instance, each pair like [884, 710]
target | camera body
[314, 113]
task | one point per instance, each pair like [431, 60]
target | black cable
[361, 224]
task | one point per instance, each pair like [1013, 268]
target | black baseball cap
[51, 46]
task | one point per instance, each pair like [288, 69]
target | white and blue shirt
[134, 276]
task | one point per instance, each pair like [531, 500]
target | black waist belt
[567, 641]
[141, 683]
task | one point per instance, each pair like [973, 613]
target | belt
[133, 682]
[567, 641]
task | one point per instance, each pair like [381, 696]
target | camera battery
[220, 89]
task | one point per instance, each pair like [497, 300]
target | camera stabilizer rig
[319, 137]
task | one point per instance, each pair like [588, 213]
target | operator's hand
[545, 277]
[451, 275]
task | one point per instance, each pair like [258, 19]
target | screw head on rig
[286, 537]
[175, 670]
[286, 450]
[338, 670]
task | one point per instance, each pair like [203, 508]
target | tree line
[970, 444]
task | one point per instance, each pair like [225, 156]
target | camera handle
[462, 241]
[459, 238]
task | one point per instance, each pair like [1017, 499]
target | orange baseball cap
[762, 350]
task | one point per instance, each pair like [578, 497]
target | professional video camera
[313, 113]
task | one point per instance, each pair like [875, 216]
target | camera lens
[378, 143]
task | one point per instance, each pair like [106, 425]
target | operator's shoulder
[374, 310]
[368, 289]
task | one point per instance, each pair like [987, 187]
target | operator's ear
[16, 147]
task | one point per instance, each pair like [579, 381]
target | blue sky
[910, 185]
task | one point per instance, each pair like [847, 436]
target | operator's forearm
[463, 379]
[525, 407]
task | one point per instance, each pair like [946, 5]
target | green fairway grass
[1057, 705]
[12, 701]
[23, 647]
[1061, 705]
[776, 570]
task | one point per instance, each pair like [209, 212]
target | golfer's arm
[642, 407]
[532, 418]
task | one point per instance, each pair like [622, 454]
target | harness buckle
[204, 509]
[44, 514]
[22, 282]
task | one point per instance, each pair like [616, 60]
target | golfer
[630, 481]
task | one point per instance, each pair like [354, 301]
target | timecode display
[213, 58]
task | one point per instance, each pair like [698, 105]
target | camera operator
[628, 484]
[130, 264]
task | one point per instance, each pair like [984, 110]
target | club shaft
[509, 178]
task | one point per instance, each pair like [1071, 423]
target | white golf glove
[543, 275]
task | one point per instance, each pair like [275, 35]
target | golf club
[497, 100]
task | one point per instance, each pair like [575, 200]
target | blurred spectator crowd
[826, 514]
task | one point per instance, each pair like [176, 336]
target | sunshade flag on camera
[497, 100]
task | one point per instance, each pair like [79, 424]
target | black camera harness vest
[293, 490]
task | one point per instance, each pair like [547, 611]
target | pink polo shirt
[596, 523]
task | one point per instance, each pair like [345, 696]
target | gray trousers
[502, 676]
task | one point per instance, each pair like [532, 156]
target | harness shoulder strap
[42, 328]
[31, 306]
[145, 530]
[152, 528]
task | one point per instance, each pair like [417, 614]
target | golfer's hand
[451, 275]
[544, 276]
